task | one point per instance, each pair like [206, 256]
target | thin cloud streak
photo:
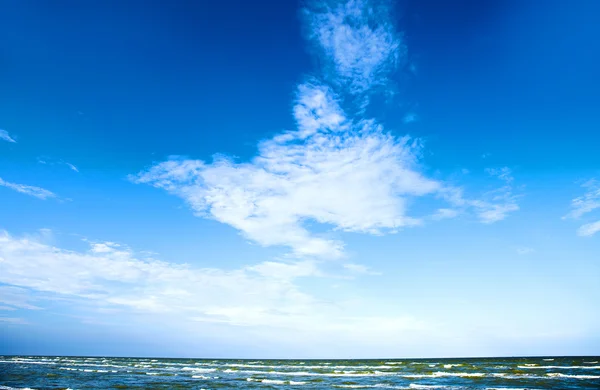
[585, 204]
[34, 191]
[110, 277]
[5, 136]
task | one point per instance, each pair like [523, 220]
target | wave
[563, 367]
[440, 374]
[275, 381]
[308, 373]
[204, 377]
[559, 375]
[199, 370]
[16, 388]
[452, 365]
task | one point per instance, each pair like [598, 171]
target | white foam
[15, 388]
[559, 375]
[440, 374]
[591, 362]
[452, 365]
[273, 381]
[199, 370]
[564, 367]
[307, 373]
[548, 360]
[509, 388]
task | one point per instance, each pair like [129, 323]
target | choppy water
[20, 372]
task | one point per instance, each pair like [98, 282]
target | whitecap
[559, 375]
[443, 374]
[563, 367]
[199, 370]
[306, 373]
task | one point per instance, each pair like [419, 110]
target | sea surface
[36, 372]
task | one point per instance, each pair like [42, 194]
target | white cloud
[589, 229]
[445, 213]
[491, 206]
[359, 269]
[16, 297]
[588, 202]
[525, 250]
[13, 320]
[286, 271]
[37, 192]
[410, 117]
[344, 171]
[358, 40]
[108, 277]
[47, 160]
[495, 205]
[73, 167]
[585, 204]
[6, 137]
[352, 176]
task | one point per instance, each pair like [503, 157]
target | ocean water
[36, 372]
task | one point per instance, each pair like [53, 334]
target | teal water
[31, 372]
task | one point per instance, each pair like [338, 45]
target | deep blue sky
[506, 99]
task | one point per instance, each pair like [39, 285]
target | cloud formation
[37, 192]
[111, 277]
[72, 167]
[359, 41]
[586, 204]
[6, 137]
[338, 167]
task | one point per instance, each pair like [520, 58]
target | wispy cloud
[51, 161]
[17, 297]
[524, 250]
[589, 229]
[360, 269]
[338, 167]
[6, 137]
[358, 40]
[491, 206]
[345, 172]
[37, 192]
[588, 202]
[13, 320]
[496, 204]
[585, 204]
[112, 277]
[410, 117]
[73, 167]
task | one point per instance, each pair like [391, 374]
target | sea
[62, 372]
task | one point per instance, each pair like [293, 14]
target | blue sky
[338, 179]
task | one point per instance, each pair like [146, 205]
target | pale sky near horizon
[338, 179]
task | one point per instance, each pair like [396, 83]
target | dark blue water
[19, 372]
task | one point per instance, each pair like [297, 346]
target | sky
[316, 179]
